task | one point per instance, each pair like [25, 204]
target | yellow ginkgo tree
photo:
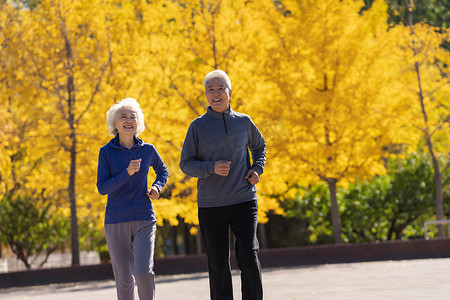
[424, 64]
[329, 92]
[63, 49]
[209, 35]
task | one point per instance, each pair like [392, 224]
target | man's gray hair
[111, 115]
[217, 74]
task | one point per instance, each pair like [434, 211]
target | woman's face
[218, 94]
[126, 122]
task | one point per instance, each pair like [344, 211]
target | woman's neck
[126, 140]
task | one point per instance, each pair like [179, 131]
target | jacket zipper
[130, 210]
[224, 123]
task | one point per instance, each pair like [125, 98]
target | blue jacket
[223, 136]
[127, 195]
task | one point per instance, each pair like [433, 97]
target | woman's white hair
[217, 74]
[111, 115]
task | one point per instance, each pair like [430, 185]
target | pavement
[404, 279]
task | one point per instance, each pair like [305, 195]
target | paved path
[407, 279]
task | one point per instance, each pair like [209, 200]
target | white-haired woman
[130, 222]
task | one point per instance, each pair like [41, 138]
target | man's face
[218, 94]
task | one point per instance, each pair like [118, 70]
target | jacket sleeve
[161, 171]
[105, 183]
[257, 147]
[190, 164]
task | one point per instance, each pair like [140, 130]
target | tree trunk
[335, 217]
[70, 119]
[427, 134]
[19, 252]
[73, 202]
[439, 196]
[176, 249]
[187, 238]
[198, 240]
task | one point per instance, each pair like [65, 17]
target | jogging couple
[216, 151]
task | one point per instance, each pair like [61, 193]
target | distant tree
[381, 209]
[432, 12]
[309, 207]
[425, 79]
[30, 229]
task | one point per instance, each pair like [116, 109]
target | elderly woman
[130, 222]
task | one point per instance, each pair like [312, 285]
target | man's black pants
[214, 226]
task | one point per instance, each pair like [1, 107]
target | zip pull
[224, 123]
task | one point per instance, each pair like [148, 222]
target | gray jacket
[223, 136]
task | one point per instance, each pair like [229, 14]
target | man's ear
[230, 92]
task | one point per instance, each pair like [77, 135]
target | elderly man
[216, 152]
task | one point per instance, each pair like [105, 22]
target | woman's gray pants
[131, 246]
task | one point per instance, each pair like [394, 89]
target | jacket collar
[114, 143]
[218, 115]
